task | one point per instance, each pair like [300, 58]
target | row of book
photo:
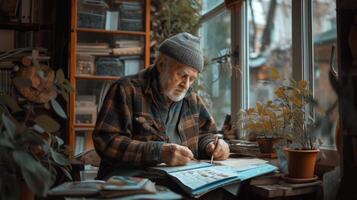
[118, 16]
[121, 48]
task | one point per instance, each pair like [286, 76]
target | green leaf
[9, 126]
[6, 143]
[38, 128]
[65, 94]
[59, 141]
[66, 172]
[36, 176]
[22, 82]
[58, 109]
[59, 158]
[68, 86]
[59, 76]
[47, 123]
[9, 102]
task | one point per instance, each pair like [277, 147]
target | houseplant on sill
[31, 155]
[265, 124]
[288, 117]
[297, 102]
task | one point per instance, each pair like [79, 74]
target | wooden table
[274, 187]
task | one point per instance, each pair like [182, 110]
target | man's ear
[160, 63]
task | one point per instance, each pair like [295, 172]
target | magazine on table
[199, 177]
[115, 186]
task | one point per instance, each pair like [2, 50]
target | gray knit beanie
[185, 48]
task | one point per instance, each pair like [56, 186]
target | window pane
[269, 45]
[215, 81]
[207, 5]
[324, 37]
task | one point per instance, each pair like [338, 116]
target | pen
[215, 147]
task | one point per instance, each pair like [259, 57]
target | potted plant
[289, 117]
[297, 103]
[264, 123]
[31, 153]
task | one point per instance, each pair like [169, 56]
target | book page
[189, 165]
[241, 164]
[201, 177]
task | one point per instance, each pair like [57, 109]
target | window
[214, 84]
[208, 5]
[272, 26]
[324, 37]
[270, 43]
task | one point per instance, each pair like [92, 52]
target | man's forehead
[185, 69]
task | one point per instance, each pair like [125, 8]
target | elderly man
[155, 117]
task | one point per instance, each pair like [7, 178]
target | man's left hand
[221, 152]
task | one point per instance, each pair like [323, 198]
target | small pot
[266, 144]
[301, 163]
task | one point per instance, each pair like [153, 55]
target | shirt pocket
[146, 128]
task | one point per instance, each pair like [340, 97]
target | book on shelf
[115, 186]
[197, 178]
[94, 48]
[128, 51]
[132, 64]
[129, 43]
[111, 21]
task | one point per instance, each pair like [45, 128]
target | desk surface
[273, 186]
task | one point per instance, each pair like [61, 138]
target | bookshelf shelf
[97, 32]
[84, 126]
[92, 30]
[90, 77]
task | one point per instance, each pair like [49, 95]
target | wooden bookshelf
[93, 80]
[91, 30]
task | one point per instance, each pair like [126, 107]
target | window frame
[302, 47]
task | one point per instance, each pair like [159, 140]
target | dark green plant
[172, 17]
[30, 150]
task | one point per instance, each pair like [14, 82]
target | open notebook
[197, 178]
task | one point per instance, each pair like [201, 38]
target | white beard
[173, 97]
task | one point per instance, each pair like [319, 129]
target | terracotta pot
[301, 163]
[26, 193]
[266, 145]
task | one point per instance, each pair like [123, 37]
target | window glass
[207, 5]
[324, 37]
[269, 45]
[214, 84]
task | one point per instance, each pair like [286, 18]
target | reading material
[198, 178]
[116, 186]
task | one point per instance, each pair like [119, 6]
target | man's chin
[176, 97]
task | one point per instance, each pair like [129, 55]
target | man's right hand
[174, 154]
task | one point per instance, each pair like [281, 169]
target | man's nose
[186, 83]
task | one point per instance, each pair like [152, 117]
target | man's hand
[221, 152]
[174, 154]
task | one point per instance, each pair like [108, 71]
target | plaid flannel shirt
[127, 133]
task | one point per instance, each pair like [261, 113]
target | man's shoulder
[136, 80]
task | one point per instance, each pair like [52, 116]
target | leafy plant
[265, 120]
[172, 17]
[289, 115]
[30, 150]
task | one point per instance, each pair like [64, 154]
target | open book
[197, 178]
[116, 186]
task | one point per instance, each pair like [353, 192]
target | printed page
[189, 165]
[201, 177]
[241, 164]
